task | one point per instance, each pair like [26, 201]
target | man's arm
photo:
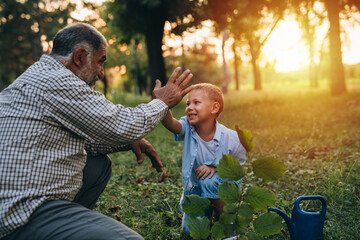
[90, 115]
[172, 124]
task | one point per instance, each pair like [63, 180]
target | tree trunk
[336, 66]
[256, 69]
[154, 35]
[236, 66]
[225, 67]
[310, 41]
[136, 69]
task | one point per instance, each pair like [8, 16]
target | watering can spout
[291, 226]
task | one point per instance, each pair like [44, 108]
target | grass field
[316, 135]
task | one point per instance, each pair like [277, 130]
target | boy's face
[200, 108]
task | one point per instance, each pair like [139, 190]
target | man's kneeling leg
[58, 220]
[96, 175]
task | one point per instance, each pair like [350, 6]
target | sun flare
[285, 49]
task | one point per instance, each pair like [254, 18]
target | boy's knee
[209, 183]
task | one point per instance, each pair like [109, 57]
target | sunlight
[285, 47]
[351, 46]
[81, 13]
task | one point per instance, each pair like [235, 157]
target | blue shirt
[226, 142]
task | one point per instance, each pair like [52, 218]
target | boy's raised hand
[204, 170]
[175, 89]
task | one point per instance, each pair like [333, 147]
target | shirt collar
[217, 135]
[51, 60]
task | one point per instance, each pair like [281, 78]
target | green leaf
[218, 231]
[230, 208]
[268, 168]
[194, 204]
[260, 198]
[229, 193]
[244, 222]
[253, 236]
[268, 224]
[246, 210]
[227, 218]
[245, 138]
[199, 227]
[229, 167]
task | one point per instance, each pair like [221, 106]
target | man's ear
[79, 56]
[215, 108]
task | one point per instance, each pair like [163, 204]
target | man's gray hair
[68, 39]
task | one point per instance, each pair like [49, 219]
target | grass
[316, 135]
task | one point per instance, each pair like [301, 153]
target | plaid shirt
[49, 121]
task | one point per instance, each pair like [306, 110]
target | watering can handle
[312, 197]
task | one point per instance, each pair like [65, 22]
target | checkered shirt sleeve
[49, 121]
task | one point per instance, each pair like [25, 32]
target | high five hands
[175, 89]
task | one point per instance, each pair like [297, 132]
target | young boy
[205, 141]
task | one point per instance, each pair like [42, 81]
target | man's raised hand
[175, 89]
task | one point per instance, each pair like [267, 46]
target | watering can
[304, 224]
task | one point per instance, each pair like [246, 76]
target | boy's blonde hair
[214, 93]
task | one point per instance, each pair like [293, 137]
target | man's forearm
[95, 149]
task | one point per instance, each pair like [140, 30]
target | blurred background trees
[148, 38]
[25, 26]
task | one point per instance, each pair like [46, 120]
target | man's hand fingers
[211, 175]
[155, 160]
[182, 77]
[186, 91]
[173, 76]
[157, 84]
[139, 156]
[186, 81]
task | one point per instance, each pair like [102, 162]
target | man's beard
[92, 82]
[85, 74]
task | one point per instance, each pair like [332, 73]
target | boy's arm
[172, 124]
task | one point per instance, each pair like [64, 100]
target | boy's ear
[215, 108]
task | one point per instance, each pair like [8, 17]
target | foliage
[35, 21]
[238, 214]
[195, 205]
[245, 138]
[230, 168]
[268, 168]
[149, 24]
[249, 23]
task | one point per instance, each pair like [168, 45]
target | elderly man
[55, 134]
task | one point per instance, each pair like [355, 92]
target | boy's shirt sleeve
[184, 125]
